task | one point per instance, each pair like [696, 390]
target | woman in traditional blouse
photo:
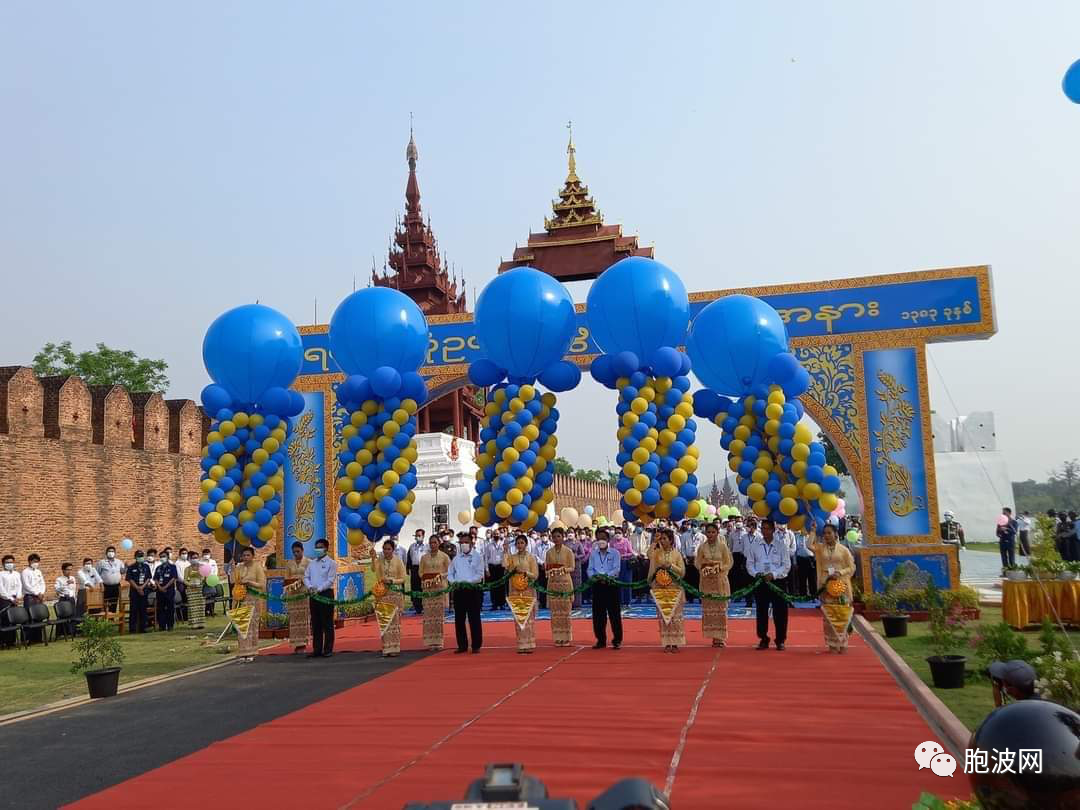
[834, 564]
[299, 613]
[664, 561]
[250, 574]
[713, 560]
[559, 562]
[390, 574]
[433, 567]
[580, 560]
[522, 565]
[196, 602]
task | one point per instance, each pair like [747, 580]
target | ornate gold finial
[411, 153]
[571, 162]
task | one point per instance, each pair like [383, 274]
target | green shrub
[999, 642]
[97, 646]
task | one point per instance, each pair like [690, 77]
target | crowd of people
[161, 587]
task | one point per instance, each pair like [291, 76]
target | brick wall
[576, 493]
[83, 467]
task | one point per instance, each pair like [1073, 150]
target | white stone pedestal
[434, 461]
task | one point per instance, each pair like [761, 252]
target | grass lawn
[972, 703]
[39, 675]
[982, 546]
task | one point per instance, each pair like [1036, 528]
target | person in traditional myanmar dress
[524, 563]
[713, 560]
[390, 572]
[834, 564]
[250, 574]
[196, 602]
[559, 562]
[433, 567]
[668, 559]
[298, 610]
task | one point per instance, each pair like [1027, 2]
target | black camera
[506, 786]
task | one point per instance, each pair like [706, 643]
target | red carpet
[730, 728]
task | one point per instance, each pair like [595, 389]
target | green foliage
[103, 366]
[928, 801]
[1044, 553]
[590, 475]
[999, 642]
[560, 466]
[1059, 678]
[274, 621]
[1061, 490]
[832, 455]
[948, 627]
[356, 610]
[97, 646]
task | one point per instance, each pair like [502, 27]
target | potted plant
[99, 654]
[948, 633]
[274, 625]
[1016, 572]
[357, 611]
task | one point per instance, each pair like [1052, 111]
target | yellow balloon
[404, 507]
[364, 457]
[692, 509]
[639, 405]
[271, 445]
[244, 516]
[798, 469]
[503, 509]
[226, 428]
[668, 491]
[217, 472]
[764, 462]
[548, 399]
[214, 520]
[828, 501]
[755, 491]
[788, 506]
[255, 503]
[521, 443]
[689, 463]
[641, 482]
[511, 454]
[354, 536]
[207, 485]
[648, 444]
[382, 491]
[685, 410]
[516, 405]
[632, 497]
[213, 436]
[797, 522]
[526, 392]
[353, 500]
[667, 436]
[640, 455]
[344, 485]
[647, 393]
[514, 496]
[260, 456]
[803, 435]
[678, 476]
[389, 478]
[662, 384]
[676, 422]
[255, 419]
[629, 418]
[800, 452]
[482, 515]
[225, 507]
[631, 468]
[774, 411]
[370, 407]
[759, 476]
[736, 447]
[391, 428]
[384, 441]
[662, 509]
[531, 432]
[400, 465]
[409, 406]
[733, 463]
[409, 453]
[500, 395]
[240, 419]
[265, 533]
[401, 416]
[789, 491]
[761, 509]
[828, 469]
[354, 469]
[812, 492]
[376, 518]
[358, 419]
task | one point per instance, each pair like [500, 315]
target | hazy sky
[164, 162]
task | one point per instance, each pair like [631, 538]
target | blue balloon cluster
[777, 464]
[377, 473]
[379, 337]
[514, 482]
[253, 353]
[657, 456]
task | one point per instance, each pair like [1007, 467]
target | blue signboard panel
[943, 303]
[897, 459]
[305, 499]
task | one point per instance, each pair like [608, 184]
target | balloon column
[252, 353]
[738, 345]
[638, 311]
[524, 323]
[379, 338]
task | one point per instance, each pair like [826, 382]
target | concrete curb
[954, 735]
[70, 703]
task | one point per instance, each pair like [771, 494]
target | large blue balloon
[732, 342]
[378, 326]
[250, 349]
[638, 305]
[1071, 82]
[524, 321]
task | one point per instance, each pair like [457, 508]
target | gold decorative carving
[896, 420]
[305, 471]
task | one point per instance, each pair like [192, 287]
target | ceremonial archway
[863, 340]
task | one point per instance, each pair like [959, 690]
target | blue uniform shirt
[604, 562]
[165, 575]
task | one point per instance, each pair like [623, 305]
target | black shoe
[313, 655]
[328, 655]
[459, 651]
[763, 644]
[616, 645]
[599, 645]
[779, 645]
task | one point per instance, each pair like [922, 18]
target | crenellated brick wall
[570, 491]
[82, 467]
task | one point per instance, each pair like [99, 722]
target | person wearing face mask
[139, 581]
[581, 558]
[111, 571]
[66, 586]
[523, 571]
[713, 561]
[559, 563]
[196, 602]
[249, 574]
[320, 578]
[467, 568]
[390, 574]
[834, 563]
[769, 559]
[604, 561]
[493, 557]
[434, 566]
[669, 559]
[540, 545]
[299, 614]
[165, 576]
[182, 564]
[412, 563]
[209, 594]
[10, 596]
[89, 580]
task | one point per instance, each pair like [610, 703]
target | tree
[560, 466]
[103, 366]
[832, 455]
[590, 475]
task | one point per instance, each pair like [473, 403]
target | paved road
[980, 568]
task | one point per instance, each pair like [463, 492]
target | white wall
[974, 487]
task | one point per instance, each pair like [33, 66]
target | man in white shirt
[688, 542]
[1023, 525]
[468, 567]
[10, 596]
[540, 547]
[769, 559]
[417, 550]
[494, 553]
[88, 579]
[111, 571]
[320, 578]
[33, 586]
[66, 586]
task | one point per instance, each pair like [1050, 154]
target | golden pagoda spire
[571, 175]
